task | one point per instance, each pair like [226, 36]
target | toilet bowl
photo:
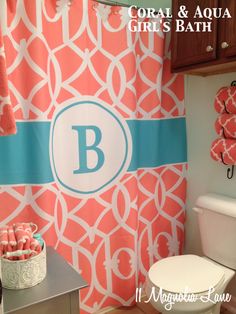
[187, 284]
[191, 284]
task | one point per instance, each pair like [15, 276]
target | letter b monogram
[84, 148]
[85, 160]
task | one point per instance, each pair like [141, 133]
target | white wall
[204, 175]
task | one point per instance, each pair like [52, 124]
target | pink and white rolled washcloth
[11, 237]
[7, 120]
[225, 100]
[19, 237]
[24, 234]
[22, 238]
[7, 240]
[35, 246]
[224, 151]
[12, 244]
[29, 233]
[3, 240]
[225, 126]
[28, 228]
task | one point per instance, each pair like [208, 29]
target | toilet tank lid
[218, 203]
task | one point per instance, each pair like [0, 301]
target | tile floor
[141, 308]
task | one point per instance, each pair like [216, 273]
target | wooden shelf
[209, 69]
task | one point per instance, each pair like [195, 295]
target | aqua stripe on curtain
[155, 143]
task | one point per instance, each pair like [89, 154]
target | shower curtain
[99, 158]
[7, 120]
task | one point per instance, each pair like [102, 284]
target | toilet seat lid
[178, 273]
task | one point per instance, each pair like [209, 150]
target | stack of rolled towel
[223, 149]
[17, 241]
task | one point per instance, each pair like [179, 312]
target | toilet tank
[217, 224]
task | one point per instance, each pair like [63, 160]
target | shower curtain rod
[115, 3]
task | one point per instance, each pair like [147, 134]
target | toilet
[189, 284]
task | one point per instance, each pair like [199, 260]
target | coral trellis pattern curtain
[99, 158]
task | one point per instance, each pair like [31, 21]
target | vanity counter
[57, 293]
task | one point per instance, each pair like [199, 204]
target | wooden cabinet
[204, 53]
[227, 31]
[192, 48]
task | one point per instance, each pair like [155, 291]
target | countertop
[61, 279]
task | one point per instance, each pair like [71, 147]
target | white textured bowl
[24, 274]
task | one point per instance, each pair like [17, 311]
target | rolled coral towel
[225, 100]
[35, 246]
[224, 151]
[12, 244]
[226, 126]
[3, 240]
[21, 237]
[28, 236]
[7, 120]
[17, 242]
[11, 236]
